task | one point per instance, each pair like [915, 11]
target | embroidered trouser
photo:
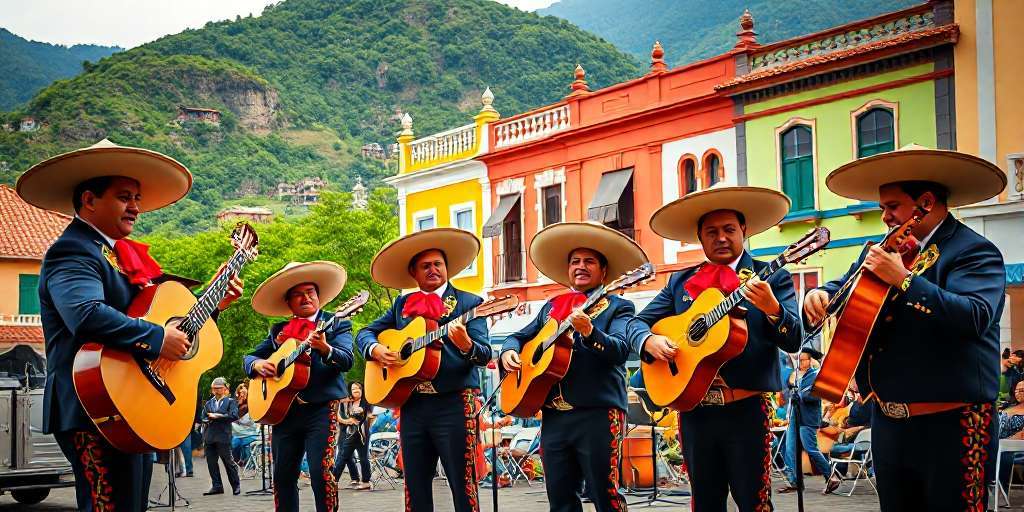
[439, 426]
[309, 430]
[728, 450]
[936, 462]
[105, 479]
[582, 445]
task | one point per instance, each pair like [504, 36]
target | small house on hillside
[250, 213]
[206, 115]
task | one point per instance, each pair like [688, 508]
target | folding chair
[383, 451]
[522, 442]
[777, 450]
[861, 444]
[1006, 445]
[252, 465]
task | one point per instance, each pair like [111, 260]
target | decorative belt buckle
[559, 404]
[715, 396]
[895, 410]
[425, 387]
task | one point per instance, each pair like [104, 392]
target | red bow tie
[562, 305]
[297, 328]
[134, 259]
[423, 304]
[909, 251]
[712, 275]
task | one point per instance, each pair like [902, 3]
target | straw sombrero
[762, 208]
[50, 183]
[968, 179]
[390, 267]
[269, 297]
[552, 246]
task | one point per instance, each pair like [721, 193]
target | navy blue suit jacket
[757, 367]
[939, 341]
[597, 370]
[218, 430]
[82, 298]
[326, 374]
[457, 370]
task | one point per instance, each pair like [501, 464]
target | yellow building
[441, 185]
[990, 124]
[25, 234]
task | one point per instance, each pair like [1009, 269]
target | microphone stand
[267, 481]
[491, 404]
[794, 415]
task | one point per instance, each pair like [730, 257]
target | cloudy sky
[129, 23]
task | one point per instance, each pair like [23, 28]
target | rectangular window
[552, 204]
[424, 223]
[463, 219]
[803, 282]
[510, 265]
[28, 294]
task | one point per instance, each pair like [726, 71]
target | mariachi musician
[584, 413]
[309, 429]
[931, 364]
[725, 439]
[89, 277]
[438, 417]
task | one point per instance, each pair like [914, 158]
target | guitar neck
[305, 345]
[734, 298]
[564, 326]
[441, 332]
[204, 307]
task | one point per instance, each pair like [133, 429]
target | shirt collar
[312, 318]
[736, 262]
[924, 241]
[110, 241]
[440, 291]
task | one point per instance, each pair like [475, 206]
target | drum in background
[637, 459]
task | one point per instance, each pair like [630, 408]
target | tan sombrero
[50, 183]
[762, 208]
[552, 246]
[269, 297]
[390, 267]
[968, 179]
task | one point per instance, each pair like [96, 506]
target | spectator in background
[355, 437]
[857, 418]
[804, 422]
[1011, 426]
[1011, 374]
[220, 412]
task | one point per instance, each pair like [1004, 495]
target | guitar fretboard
[304, 346]
[563, 326]
[203, 308]
[440, 332]
[718, 312]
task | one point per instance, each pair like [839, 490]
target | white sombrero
[270, 297]
[761, 207]
[552, 246]
[968, 179]
[390, 267]
[51, 183]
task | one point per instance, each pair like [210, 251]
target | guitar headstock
[634, 277]
[498, 306]
[245, 240]
[815, 240]
[899, 235]
[352, 306]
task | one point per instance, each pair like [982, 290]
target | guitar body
[391, 386]
[270, 397]
[684, 381]
[524, 393]
[850, 336]
[132, 411]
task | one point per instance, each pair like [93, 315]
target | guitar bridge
[156, 380]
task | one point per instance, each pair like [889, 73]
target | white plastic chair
[522, 441]
[1006, 445]
[381, 447]
[861, 443]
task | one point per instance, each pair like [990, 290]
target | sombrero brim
[390, 267]
[269, 297]
[50, 183]
[762, 208]
[968, 178]
[552, 246]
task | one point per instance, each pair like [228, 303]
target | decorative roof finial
[657, 58]
[406, 124]
[359, 195]
[487, 99]
[579, 86]
[746, 37]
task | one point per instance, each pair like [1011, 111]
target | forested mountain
[302, 87]
[28, 66]
[691, 30]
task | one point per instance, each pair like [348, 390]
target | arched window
[687, 176]
[712, 165]
[798, 167]
[875, 132]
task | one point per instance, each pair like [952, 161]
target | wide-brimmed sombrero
[968, 179]
[50, 183]
[761, 207]
[390, 267]
[269, 297]
[552, 246]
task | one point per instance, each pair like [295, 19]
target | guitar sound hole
[406, 351]
[698, 329]
[537, 355]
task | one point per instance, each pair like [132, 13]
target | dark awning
[493, 225]
[604, 208]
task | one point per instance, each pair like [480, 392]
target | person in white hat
[585, 413]
[89, 277]
[436, 420]
[724, 438]
[931, 365]
[219, 413]
[299, 291]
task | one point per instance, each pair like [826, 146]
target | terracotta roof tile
[21, 334]
[26, 231]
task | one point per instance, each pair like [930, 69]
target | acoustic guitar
[271, 397]
[708, 334]
[419, 347]
[857, 305]
[144, 406]
[545, 358]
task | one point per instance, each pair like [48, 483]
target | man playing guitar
[437, 418]
[309, 428]
[931, 362]
[725, 439]
[88, 279]
[584, 414]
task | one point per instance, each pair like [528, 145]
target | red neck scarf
[423, 304]
[134, 259]
[712, 275]
[297, 328]
[562, 305]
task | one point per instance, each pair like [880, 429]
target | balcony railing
[445, 146]
[532, 127]
[508, 267]
[20, 320]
